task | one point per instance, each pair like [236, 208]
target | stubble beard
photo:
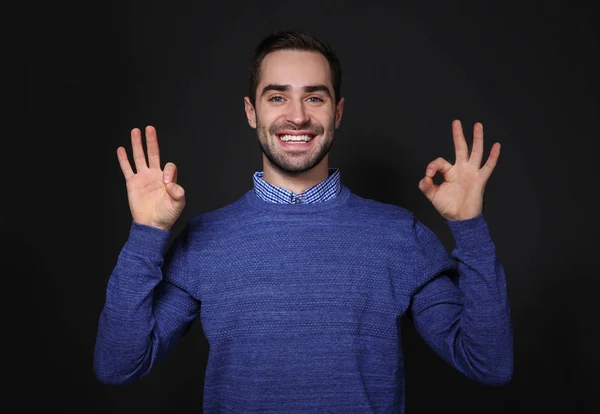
[294, 164]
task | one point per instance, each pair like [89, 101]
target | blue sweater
[301, 303]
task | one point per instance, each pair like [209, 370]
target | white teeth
[295, 138]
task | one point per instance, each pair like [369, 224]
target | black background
[78, 77]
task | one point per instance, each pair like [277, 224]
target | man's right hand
[155, 198]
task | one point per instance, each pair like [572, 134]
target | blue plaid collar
[325, 190]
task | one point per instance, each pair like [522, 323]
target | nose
[297, 113]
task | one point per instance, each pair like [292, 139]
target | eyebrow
[286, 88]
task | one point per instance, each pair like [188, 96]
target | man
[300, 284]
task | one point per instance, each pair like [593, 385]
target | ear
[250, 112]
[339, 110]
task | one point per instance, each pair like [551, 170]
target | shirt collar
[325, 190]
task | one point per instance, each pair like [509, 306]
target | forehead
[296, 68]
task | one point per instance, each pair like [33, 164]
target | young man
[300, 284]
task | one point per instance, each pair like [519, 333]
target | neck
[296, 182]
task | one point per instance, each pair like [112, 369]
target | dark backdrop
[79, 76]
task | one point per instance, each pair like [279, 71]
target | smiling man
[295, 115]
[300, 284]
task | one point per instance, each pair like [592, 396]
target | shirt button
[297, 201]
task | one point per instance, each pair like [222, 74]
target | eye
[276, 99]
[315, 99]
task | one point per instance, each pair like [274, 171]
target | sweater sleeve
[462, 310]
[147, 307]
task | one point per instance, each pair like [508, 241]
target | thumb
[427, 186]
[176, 191]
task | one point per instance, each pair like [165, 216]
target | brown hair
[293, 40]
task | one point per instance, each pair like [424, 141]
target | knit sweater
[301, 303]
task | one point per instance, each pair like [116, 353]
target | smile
[296, 138]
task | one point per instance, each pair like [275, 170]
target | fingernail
[166, 179]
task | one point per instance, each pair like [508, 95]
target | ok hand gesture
[155, 198]
[460, 196]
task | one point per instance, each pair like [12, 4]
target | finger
[439, 164]
[492, 160]
[124, 163]
[138, 151]
[428, 188]
[176, 191]
[152, 147]
[170, 173]
[477, 152]
[460, 145]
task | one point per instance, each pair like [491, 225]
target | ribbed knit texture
[301, 303]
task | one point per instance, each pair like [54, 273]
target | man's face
[295, 114]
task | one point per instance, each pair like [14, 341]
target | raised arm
[147, 306]
[462, 311]
[466, 322]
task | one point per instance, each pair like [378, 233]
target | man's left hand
[460, 196]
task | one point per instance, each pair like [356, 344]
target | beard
[294, 163]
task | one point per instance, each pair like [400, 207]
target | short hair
[293, 40]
